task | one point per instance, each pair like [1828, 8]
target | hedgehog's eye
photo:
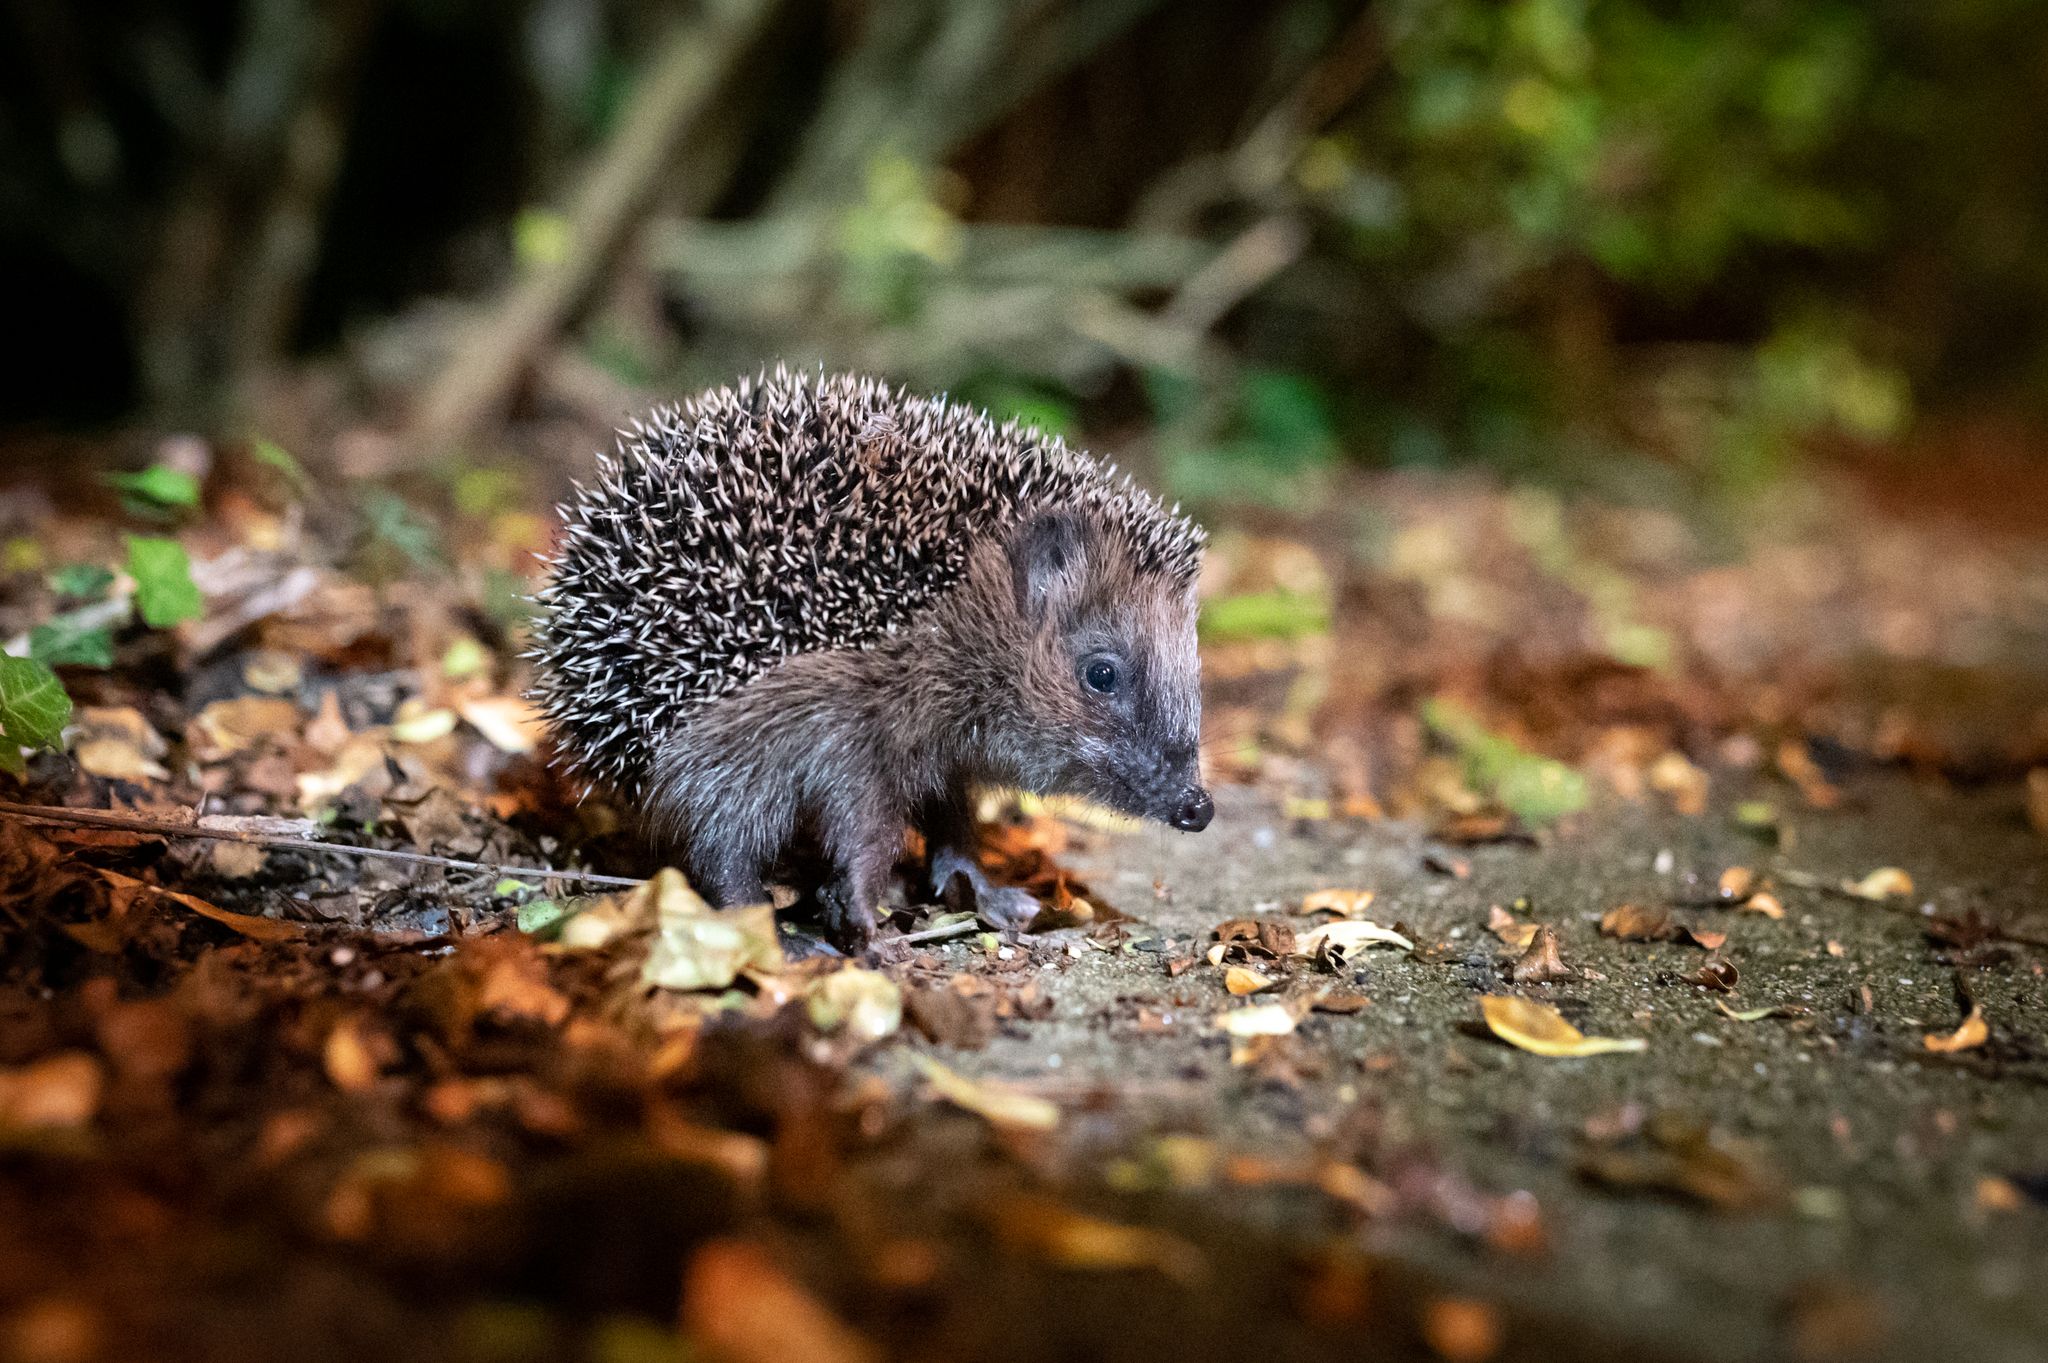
[1101, 675]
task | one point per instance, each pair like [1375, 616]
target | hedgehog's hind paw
[964, 887]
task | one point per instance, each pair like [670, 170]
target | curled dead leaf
[1973, 1032]
[1542, 1030]
[1343, 903]
[1886, 882]
[1542, 963]
[1348, 936]
[1765, 903]
[1509, 929]
[1716, 976]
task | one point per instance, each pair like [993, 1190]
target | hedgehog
[793, 616]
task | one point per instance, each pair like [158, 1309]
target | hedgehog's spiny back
[784, 515]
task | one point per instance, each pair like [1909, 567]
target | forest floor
[1764, 810]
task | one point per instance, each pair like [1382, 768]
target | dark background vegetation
[1419, 231]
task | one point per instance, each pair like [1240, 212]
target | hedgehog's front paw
[964, 887]
[849, 919]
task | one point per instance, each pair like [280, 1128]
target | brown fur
[837, 749]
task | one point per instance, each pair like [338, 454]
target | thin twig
[943, 931]
[167, 828]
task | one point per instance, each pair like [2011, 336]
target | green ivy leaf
[272, 455]
[166, 488]
[164, 590]
[33, 706]
[73, 639]
[82, 581]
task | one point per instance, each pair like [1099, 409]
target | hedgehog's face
[1111, 688]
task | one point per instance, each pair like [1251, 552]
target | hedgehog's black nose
[1195, 810]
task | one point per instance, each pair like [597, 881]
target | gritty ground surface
[277, 1103]
[1878, 1145]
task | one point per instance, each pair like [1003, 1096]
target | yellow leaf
[1343, 903]
[1242, 980]
[1542, 1030]
[998, 1104]
[1271, 1019]
[1973, 1033]
[697, 946]
[1883, 883]
[866, 1002]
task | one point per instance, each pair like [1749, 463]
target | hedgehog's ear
[1048, 559]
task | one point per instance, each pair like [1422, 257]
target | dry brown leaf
[1802, 771]
[1674, 775]
[61, 1090]
[126, 888]
[1511, 930]
[117, 743]
[327, 730]
[1886, 882]
[272, 672]
[515, 987]
[1341, 1001]
[1702, 937]
[1461, 1330]
[1765, 903]
[354, 1054]
[1541, 964]
[998, 1104]
[1996, 1194]
[1973, 1033]
[1716, 976]
[1268, 1019]
[1343, 903]
[1637, 923]
[227, 727]
[236, 860]
[509, 723]
[1068, 1239]
[739, 1305]
[1242, 980]
[1542, 1030]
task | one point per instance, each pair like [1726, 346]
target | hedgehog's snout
[1194, 811]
